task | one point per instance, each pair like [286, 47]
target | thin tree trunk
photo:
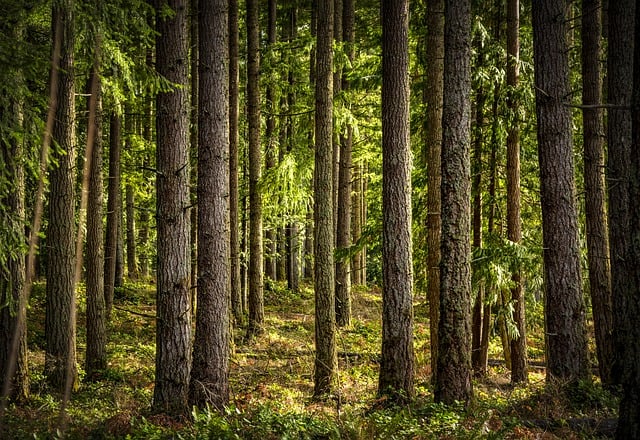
[271, 257]
[132, 265]
[113, 212]
[193, 143]
[173, 324]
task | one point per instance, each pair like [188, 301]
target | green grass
[272, 384]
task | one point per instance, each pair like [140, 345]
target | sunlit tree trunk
[453, 377]
[326, 363]
[60, 353]
[256, 274]
[564, 306]
[271, 155]
[397, 359]
[173, 324]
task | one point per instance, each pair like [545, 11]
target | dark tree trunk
[113, 212]
[256, 275]
[132, 265]
[629, 419]
[453, 377]
[96, 355]
[397, 360]
[434, 81]
[619, 91]
[326, 363]
[271, 257]
[519, 371]
[356, 232]
[594, 186]
[193, 145]
[173, 324]
[60, 356]
[564, 307]
[236, 292]
[210, 371]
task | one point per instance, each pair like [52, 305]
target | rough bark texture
[132, 265]
[210, 371]
[113, 211]
[173, 325]
[270, 259]
[619, 90]
[629, 419]
[326, 363]
[256, 274]
[453, 377]
[434, 84]
[519, 371]
[594, 186]
[236, 293]
[60, 353]
[564, 306]
[96, 354]
[397, 360]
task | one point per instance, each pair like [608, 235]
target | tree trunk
[132, 265]
[113, 212]
[619, 91]
[434, 80]
[326, 363]
[596, 213]
[256, 299]
[173, 324]
[519, 367]
[96, 355]
[453, 378]
[271, 148]
[193, 145]
[210, 371]
[236, 292]
[397, 360]
[564, 307]
[629, 419]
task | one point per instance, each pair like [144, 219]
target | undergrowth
[272, 385]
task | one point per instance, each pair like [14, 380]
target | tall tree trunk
[629, 420]
[256, 275]
[96, 355]
[193, 143]
[357, 223]
[132, 265]
[326, 362]
[60, 353]
[337, 87]
[113, 212]
[210, 371]
[434, 83]
[397, 360]
[564, 307]
[453, 377]
[236, 292]
[519, 367]
[596, 214]
[619, 91]
[173, 324]
[271, 147]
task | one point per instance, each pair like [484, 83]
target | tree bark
[271, 257]
[256, 275]
[113, 212]
[566, 345]
[453, 377]
[210, 371]
[173, 325]
[397, 360]
[326, 363]
[60, 353]
[434, 84]
[519, 367]
[132, 265]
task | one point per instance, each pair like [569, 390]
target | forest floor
[272, 385]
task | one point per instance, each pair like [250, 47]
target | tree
[433, 146]
[595, 209]
[453, 376]
[60, 353]
[236, 293]
[564, 307]
[397, 361]
[113, 210]
[173, 324]
[326, 362]
[96, 356]
[514, 230]
[271, 147]
[210, 371]
[256, 274]
[132, 264]
[619, 90]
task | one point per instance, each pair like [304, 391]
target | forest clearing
[272, 387]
